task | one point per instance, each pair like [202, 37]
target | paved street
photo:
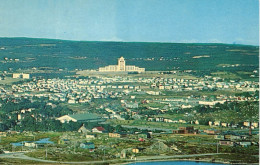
[143, 158]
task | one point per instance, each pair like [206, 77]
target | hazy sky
[221, 21]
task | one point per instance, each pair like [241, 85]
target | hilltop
[62, 54]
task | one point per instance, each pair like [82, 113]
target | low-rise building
[226, 142]
[245, 144]
[83, 129]
[212, 131]
[117, 135]
[30, 144]
[91, 136]
[98, 129]
[83, 117]
[89, 145]
[144, 135]
[219, 137]
[21, 75]
[131, 105]
[185, 130]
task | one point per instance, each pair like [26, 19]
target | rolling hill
[27, 53]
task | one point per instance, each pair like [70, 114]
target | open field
[9, 81]
[146, 124]
[147, 74]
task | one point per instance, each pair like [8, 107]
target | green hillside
[72, 55]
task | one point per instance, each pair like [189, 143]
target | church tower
[121, 64]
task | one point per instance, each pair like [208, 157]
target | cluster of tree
[248, 94]
[247, 109]
[40, 116]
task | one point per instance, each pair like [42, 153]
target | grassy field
[147, 74]
[30, 136]
[9, 81]
[244, 75]
[226, 75]
[181, 94]
[158, 125]
[19, 161]
[76, 107]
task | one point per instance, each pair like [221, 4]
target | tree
[119, 128]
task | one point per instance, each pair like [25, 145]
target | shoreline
[184, 160]
[206, 160]
[129, 161]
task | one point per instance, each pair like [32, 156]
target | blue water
[18, 144]
[174, 163]
[45, 141]
[41, 141]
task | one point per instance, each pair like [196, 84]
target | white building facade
[121, 67]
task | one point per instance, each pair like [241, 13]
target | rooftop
[84, 116]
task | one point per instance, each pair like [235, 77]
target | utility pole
[217, 147]
[46, 154]
[74, 147]
[104, 154]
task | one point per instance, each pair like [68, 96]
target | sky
[176, 21]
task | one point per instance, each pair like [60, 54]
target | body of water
[41, 141]
[174, 163]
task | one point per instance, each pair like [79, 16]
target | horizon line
[72, 40]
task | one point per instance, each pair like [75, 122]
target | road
[19, 155]
[148, 128]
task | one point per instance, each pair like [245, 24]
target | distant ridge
[56, 39]
[71, 55]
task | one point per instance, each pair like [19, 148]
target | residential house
[245, 144]
[217, 123]
[182, 121]
[98, 129]
[197, 122]
[131, 105]
[123, 154]
[187, 129]
[224, 124]
[212, 131]
[210, 123]
[89, 145]
[3, 134]
[83, 129]
[144, 135]
[255, 124]
[219, 137]
[246, 123]
[117, 135]
[226, 142]
[91, 136]
[184, 130]
[235, 137]
[137, 150]
[30, 144]
[227, 136]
